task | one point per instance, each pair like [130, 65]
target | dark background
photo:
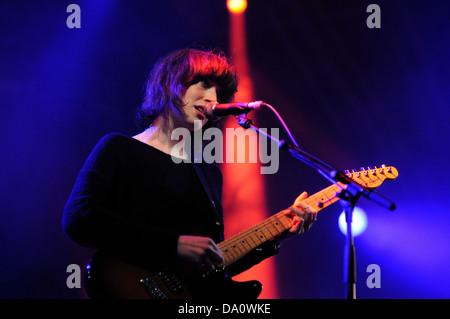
[352, 96]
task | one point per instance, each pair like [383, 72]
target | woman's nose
[211, 95]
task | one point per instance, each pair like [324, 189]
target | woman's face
[195, 99]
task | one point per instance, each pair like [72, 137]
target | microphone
[214, 110]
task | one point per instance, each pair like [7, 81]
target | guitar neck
[239, 245]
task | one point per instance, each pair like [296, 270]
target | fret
[325, 197]
[266, 231]
[285, 222]
[278, 223]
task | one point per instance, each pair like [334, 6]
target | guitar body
[109, 277]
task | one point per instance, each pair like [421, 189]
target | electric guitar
[109, 277]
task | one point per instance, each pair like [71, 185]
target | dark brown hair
[173, 74]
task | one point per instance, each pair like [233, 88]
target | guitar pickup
[158, 285]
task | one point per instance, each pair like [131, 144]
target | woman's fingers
[200, 251]
[302, 214]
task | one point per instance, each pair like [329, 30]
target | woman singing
[146, 214]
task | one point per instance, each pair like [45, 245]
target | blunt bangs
[216, 68]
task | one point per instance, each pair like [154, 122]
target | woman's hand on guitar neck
[202, 252]
[302, 216]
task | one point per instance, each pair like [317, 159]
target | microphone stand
[349, 196]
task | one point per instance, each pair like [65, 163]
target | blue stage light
[359, 222]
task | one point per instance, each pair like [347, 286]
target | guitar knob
[362, 168]
[384, 166]
[346, 171]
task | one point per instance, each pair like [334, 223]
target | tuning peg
[384, 166]
[362, 168]
[346, 171]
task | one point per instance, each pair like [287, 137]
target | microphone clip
[244, 121]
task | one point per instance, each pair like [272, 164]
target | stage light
[359, 222]
[236, 6]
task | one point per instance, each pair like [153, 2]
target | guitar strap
[201, 176]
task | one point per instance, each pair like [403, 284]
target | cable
[283, 123]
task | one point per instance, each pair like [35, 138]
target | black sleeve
[91, 217]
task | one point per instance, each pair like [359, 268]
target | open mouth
[200, 110]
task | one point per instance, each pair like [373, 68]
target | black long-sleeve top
[132, 200]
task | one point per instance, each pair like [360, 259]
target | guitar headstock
[373, 177]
